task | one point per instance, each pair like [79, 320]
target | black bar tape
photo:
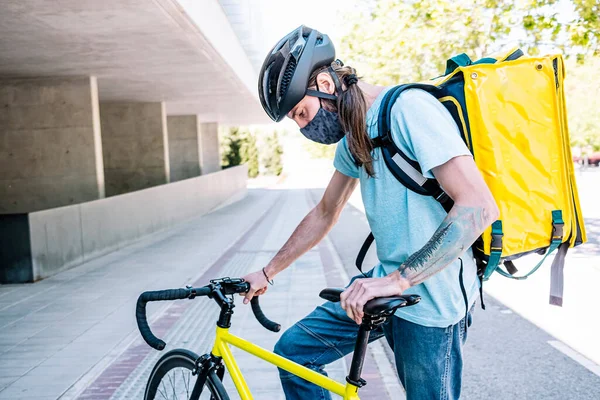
[260, 316]
[161, 295]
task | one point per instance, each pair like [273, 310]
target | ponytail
[352, 110]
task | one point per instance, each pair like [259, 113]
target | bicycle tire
[180, 358]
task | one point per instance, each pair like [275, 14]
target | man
[421, 248]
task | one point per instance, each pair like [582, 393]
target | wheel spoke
[164, 391]
[173, 385]
[187, 389]
[181, 382]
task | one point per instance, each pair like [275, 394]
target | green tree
[272, 153]
[583, 103]
[585, 30]
[249, 153]
[397, 41]
[239, 147]
[231, 145]
[573, 25]
[393, 41]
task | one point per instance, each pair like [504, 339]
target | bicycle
[210, 368]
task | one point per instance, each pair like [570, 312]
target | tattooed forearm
[461, 227]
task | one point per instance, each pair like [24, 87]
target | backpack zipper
[555, 67]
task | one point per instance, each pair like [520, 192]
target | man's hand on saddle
[354, 298]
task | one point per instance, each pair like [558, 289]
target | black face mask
[325, 128]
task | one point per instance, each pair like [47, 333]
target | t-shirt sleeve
[343, 161]
[423, 128]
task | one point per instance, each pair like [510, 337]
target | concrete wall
[184, 151]
[135, 146]
[210, 158]
[64, 237]
[50, 146]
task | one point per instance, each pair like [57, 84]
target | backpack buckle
[496, 242]
[557, 230]
[497, 234]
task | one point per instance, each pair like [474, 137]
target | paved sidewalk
[55, 331]
[74, 335]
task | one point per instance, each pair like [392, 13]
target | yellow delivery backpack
[511, 113]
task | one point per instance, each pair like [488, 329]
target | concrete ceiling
[181, 52]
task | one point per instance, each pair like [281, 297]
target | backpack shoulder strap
[406, 171]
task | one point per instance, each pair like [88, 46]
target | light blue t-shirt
[403, 221]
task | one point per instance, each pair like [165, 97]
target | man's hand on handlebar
[218, 290]
[258, 285]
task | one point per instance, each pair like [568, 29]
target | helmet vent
[287, 76]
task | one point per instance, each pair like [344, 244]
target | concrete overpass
[184, 53]
[102, 98]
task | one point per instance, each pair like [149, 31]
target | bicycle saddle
[378, 305]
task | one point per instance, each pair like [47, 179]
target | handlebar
[261, 318]
[216, 290]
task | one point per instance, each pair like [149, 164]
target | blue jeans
[428, 360]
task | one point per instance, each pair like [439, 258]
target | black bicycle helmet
[284, 75]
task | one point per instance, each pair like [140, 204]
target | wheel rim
[177, 384]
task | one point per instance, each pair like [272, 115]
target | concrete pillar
[50, 144]
[184, 151]
[136, 146]
[210, 158]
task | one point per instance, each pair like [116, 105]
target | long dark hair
[352, 110]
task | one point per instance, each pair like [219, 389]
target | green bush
[249, 153]
[231, 145]
[238, 146]
[272, 152]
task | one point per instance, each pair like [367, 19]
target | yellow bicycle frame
[221, 349]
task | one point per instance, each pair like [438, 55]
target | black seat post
[360, 348]
[358, 358]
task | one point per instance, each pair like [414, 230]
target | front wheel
[172, 379]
